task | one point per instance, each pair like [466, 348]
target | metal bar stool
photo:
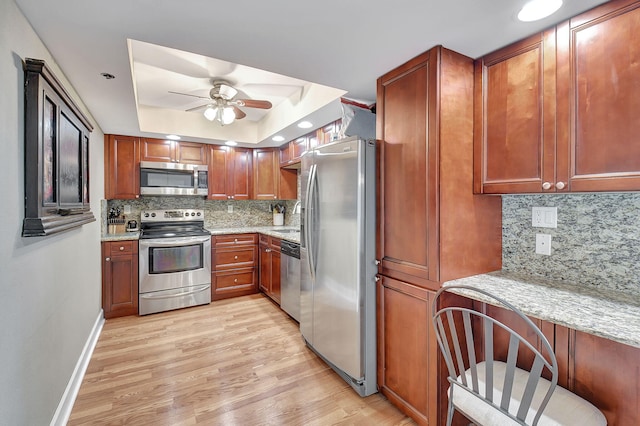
[494, 392]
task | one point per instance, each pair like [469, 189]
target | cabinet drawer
[238, 258]
[234, 240]
[275, 244]
[116, 248]
[238, 278]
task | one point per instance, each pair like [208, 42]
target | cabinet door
[285, 155]
[122, 167]
[599, 98]
[275, 275]
[514, 136]
[157, 150]
[406, 218]
[265, 269]
[239, 177]
[220, 159]
[191, 153]
[119, 278]
[407, 349]
[299, 147]
[266, 168]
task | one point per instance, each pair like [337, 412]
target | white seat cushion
[564, 408]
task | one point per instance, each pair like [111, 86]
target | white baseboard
[63, 411]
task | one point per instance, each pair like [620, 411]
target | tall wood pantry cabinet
[558, 111]
[431, 227]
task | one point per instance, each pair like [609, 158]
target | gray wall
[596, 243]
[49, 287]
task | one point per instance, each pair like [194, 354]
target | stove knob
[153, 215]
[146, 215]
[186, 214]
[199, 213]
[193, 213]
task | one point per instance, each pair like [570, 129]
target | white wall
[49, 287]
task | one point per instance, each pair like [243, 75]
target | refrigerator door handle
[310, 208]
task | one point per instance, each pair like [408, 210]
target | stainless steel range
[175, 260]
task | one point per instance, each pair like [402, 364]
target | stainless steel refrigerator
[337, 258]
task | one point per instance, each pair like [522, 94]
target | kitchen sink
[285, 231]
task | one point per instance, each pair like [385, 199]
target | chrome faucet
[296, 208]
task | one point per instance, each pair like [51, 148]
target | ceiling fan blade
[239, 113]
[187, 94]
[252, 103]
[198, 108]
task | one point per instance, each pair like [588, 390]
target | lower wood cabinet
[119, 278]
[270, 267]
[233, 261]
[407, 349]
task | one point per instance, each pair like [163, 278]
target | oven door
[171, 263]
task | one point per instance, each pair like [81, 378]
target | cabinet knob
[546, 185]
[137, 196]
[121, 248]
[560, 185]
[236, 257]
[235, 280]
[235, 240]
[108, 259]
[377, 278]
[376, 262]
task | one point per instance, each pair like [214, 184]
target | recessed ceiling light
[538, 9]
[305, 125]
[231, 143]
[173, 137]
[278, 138]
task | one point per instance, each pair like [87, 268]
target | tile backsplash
[596, 243]
[245, 212]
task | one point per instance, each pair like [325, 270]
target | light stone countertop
[605, 313]
[122, 236]
[274, 231]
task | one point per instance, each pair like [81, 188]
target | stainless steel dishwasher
[290, 278]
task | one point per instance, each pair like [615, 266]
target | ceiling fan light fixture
[210, 113]
[535, 10]
[226, 115]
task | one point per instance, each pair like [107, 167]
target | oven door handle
[172, 295]
[173, 242]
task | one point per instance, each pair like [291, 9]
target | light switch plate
[543, 244]
[544, 217]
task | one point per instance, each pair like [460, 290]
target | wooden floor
[235, 362]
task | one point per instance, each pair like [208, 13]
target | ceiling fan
[222, 107]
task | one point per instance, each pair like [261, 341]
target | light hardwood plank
[238, 361]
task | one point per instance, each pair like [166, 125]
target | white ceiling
[342, 44]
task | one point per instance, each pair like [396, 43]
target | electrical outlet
[544, 217]
[230, 208]
[543, 244]
[127, 209]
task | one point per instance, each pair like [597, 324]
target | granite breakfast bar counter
[605, 313]
[595, 334]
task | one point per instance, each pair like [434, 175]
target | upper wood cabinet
[229, 173]
[291, 153]
[173, 151]
[599, 98]
[515, 137]
[269, 181]
[558, 111]
[122, 167]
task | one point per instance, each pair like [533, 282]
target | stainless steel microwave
[173, 179]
